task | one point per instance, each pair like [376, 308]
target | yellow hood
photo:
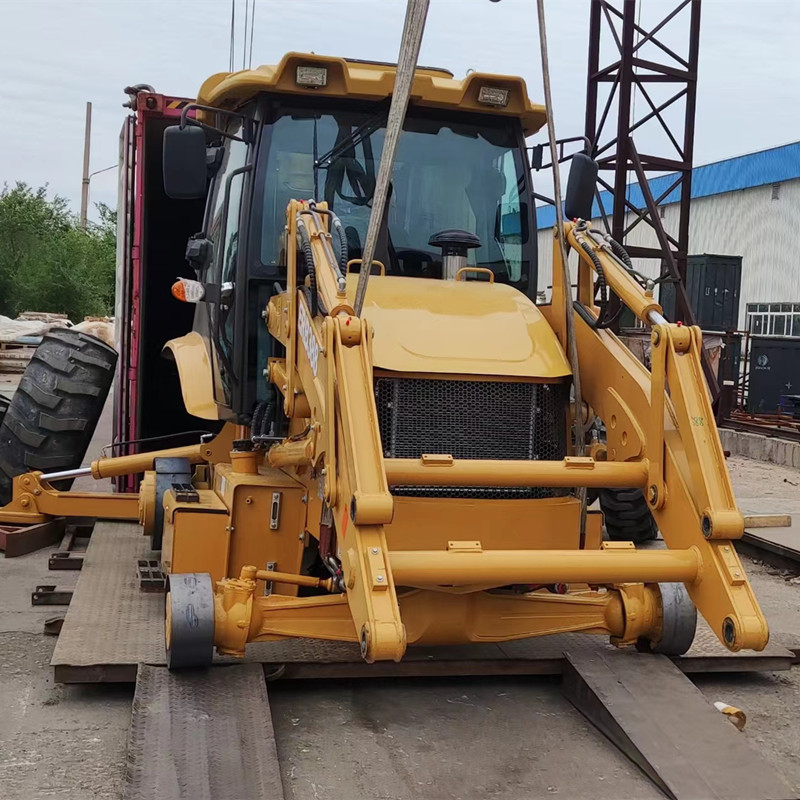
[459, 327]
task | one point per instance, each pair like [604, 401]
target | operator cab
[460, 194]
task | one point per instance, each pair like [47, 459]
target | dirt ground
[394, 740]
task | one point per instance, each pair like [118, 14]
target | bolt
[305, 498]
[726, 549]
[37, 491]
[248, 500]
[265, 373]
[232, 529]
[379, 579]
[737, 575]
[374, 551]
[301, 537]
[652, 495]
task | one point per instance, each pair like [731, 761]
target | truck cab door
[224, 221]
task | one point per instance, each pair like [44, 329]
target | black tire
[52, 415]
[627, 516]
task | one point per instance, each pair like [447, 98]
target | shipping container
[152, 231]
[774, 372]
[713, 284]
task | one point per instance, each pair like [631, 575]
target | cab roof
[365, 80]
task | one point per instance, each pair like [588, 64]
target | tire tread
[53, 414]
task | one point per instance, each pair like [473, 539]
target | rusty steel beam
[624, 68]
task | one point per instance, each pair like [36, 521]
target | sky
[57, 54]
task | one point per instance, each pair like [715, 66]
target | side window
[510, 218]
[223, 231]
[234, 158]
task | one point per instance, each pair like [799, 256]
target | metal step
[202, 735]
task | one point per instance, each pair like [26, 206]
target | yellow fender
[191, 354]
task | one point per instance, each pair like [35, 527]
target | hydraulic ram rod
[503, 567]
[575, 471]
[128, 465]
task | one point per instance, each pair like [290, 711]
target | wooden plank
[768, 521]
[204, 735]
[662, 722]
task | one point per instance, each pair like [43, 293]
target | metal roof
[741, 172]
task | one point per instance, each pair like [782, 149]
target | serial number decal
[306, 329]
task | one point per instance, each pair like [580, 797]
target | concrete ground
[390, 740]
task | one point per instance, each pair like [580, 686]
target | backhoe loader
[411, 474]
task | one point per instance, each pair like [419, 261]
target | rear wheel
[627, 516]
[53, 414]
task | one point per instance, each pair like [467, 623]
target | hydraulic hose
[308, 258]
[344, 251]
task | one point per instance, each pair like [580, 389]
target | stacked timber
[14, 356]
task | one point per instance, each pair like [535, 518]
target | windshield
[466, 175]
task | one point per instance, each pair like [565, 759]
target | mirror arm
[537, 151]
[248, 126]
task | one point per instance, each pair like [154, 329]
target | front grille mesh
[472, 420]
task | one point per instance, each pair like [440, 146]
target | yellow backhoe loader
[406, 470]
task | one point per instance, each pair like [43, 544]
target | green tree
[47, 262]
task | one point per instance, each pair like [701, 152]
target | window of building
[774, 319]
[776, 191]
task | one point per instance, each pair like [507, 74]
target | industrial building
[747, 206]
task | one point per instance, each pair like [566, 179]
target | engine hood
[459, 327]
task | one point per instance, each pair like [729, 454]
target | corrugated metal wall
[748, 223]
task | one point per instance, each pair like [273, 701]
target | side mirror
[185, 162]
[580, 187]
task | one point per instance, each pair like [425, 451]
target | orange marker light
[188, 291]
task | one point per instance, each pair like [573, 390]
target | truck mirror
[580, 187]
[185, 162]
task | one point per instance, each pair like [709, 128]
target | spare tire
[52, 415]
[627, 516]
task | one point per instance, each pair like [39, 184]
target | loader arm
[664, 418]
[327, 378]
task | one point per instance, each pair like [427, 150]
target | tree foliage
[47, 262]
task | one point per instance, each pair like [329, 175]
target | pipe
[563, 474]
[504, 567]
[295, 580]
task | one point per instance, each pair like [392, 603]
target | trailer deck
[112, 626]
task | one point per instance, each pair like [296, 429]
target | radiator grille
[472, 420]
